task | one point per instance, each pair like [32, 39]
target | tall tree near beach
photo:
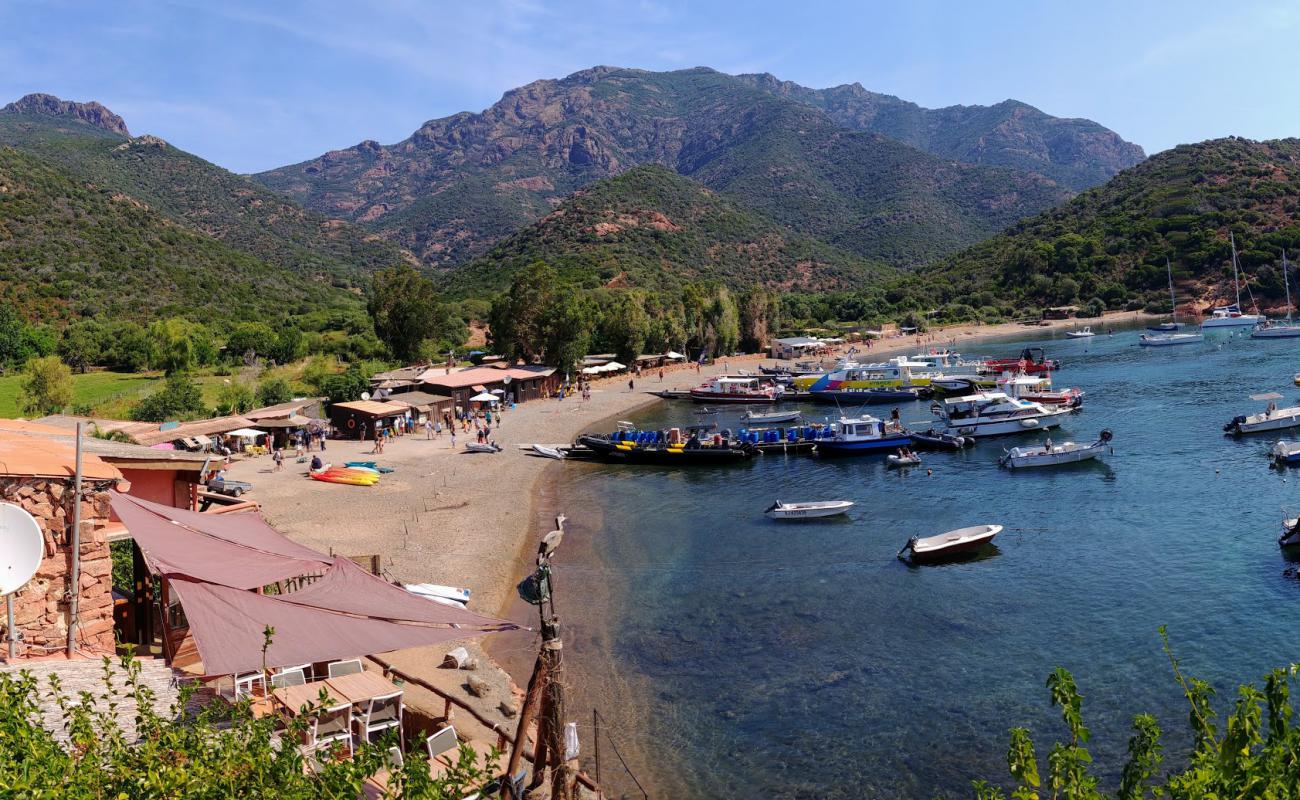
[760, 317]
[625, 326]
[406, 311]
[46, 386]
[539, 319]
[82, 344]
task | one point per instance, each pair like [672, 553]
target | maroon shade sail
[227, 625]
[237, 550]
[349, 589]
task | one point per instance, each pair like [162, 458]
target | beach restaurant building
[352, 418]
[511, 383]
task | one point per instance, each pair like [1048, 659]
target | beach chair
[330, 725]
[441, 742]
[247, 682]
[381, 713]
[350, 667]
[288, 677]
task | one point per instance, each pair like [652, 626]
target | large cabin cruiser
[995, 414]
[891, 381]
[727, 389]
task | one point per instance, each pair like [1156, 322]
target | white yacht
[1270, 419]
[1281, 329]
[995, 414]
[1231, 316]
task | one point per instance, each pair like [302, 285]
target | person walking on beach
[631, 384]
[278, 458]
[453, 437]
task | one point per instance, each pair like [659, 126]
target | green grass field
[92, 389]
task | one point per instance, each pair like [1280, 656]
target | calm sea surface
[735, 656]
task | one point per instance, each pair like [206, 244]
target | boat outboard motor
[1106, 435]
[1237, 420]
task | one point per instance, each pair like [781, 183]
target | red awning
[238, 550]
[228, 628]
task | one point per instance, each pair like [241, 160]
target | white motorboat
[1281, 329]
[488, 447]
[1167, 335]
[760, 418]
[822, 508]
[953, 544]
[1286, 453]
[1049, 454]
[447, 595]
[1231, 316]
[1169, 339]
[1270, 419]
[1290, 532]
[995, 414]
[1038, 389]
[1082, 333]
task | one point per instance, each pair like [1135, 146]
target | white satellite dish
[21, 547]
[365, 395]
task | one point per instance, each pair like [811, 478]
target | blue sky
[254, 85]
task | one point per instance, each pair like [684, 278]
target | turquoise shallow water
[763, 659]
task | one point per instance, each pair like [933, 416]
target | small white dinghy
[1290, 536]
[1271, 419]
[549, 452]
[895, 460]
[771, 418]
[1082, 333]
[953, 544]
[477, 447]
[823, 508]
[1049, 454]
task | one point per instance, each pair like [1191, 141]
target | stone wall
[41, 607]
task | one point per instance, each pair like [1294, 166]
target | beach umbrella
[498, 391]
[614, 366]
[483, 397]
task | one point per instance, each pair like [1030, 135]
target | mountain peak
[48, 105]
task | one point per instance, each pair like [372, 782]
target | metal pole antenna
[75, 589]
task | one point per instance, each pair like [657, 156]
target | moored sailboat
[1281, 329]
[1231, 316]
[1171, 338]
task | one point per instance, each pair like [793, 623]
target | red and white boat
[727, 389]
[1030, 362]
[1038, 389]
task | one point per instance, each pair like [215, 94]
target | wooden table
[294, 698]
[361, 686]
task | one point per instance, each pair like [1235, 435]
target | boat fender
[1029, 423]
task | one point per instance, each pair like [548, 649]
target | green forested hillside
[651, 228]
[1112, 241]
[202, 196]
[69, 249]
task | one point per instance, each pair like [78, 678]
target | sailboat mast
[1173, 304]
[1286, 282]
[1235, 281]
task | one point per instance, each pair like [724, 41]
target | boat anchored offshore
[1038, 389]
[1231, 316]
[866, 434]
[995, 414]
[1167, 335]
[1050, 455]
[726, 389]
[1083, 333]
[1285, 453]
[823, 508]
[1032, 361]
[951, 545]
[1270, 419]
[1281, 329]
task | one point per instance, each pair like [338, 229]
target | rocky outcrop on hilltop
[51, 106]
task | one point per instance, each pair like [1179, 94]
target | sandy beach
[470, 520]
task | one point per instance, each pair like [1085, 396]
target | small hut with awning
[351, 418]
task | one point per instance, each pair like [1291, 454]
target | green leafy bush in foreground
[221, 752]
[1256, 756]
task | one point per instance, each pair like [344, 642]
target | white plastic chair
[307, 669]
[245, 683]
[442, 741]
[349, 667]
[330, 725]
[288, 677]
[381, 714]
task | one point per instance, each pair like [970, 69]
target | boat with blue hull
[853, 436]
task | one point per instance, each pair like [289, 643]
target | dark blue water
[741, 657]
